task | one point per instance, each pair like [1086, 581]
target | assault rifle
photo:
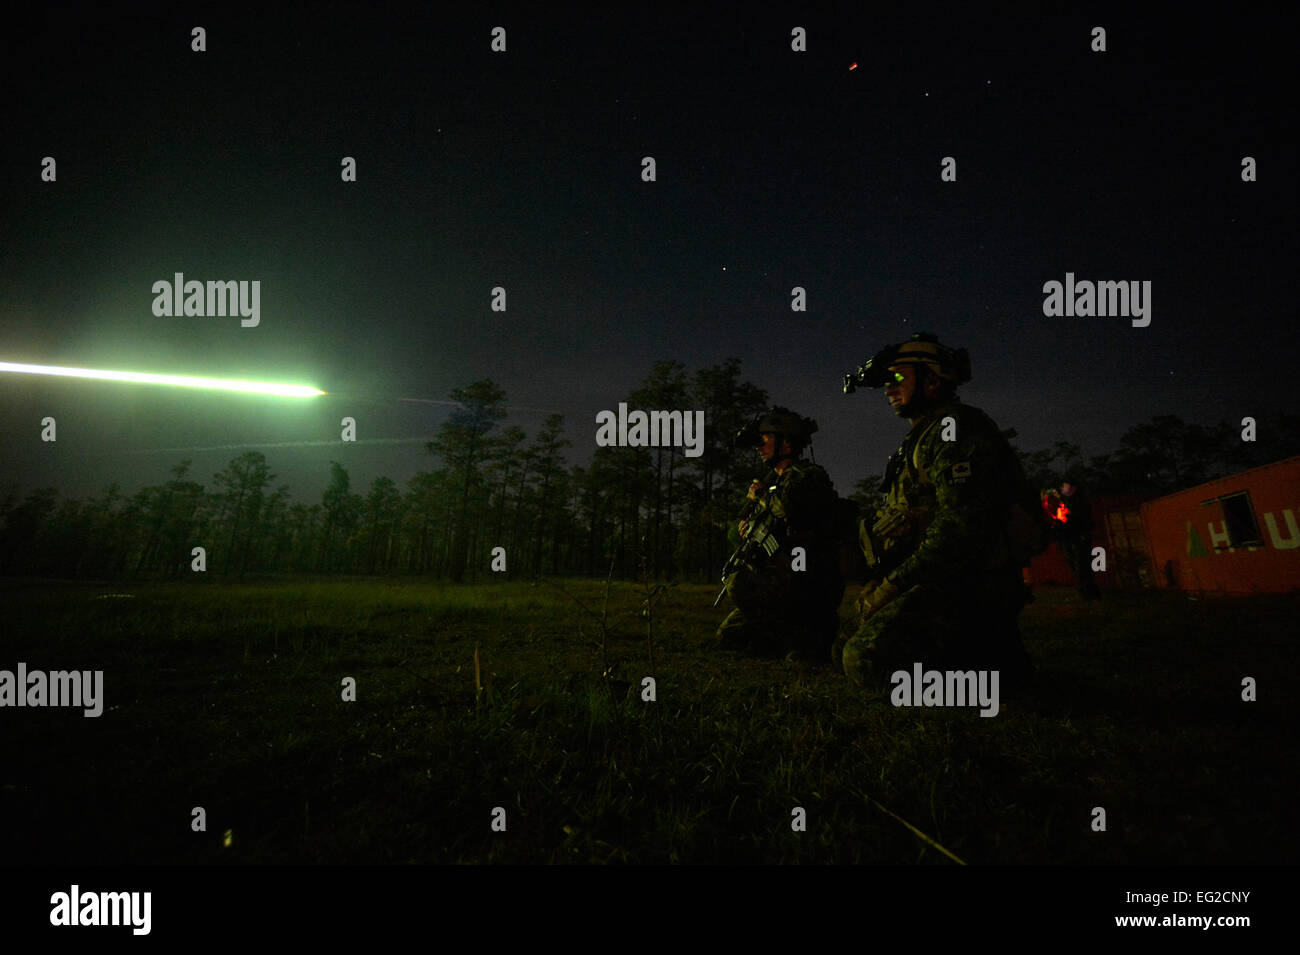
[760, 538]
[893, 525]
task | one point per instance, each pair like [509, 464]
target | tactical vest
[813, 528]
[897, 529]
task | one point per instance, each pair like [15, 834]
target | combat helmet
[950, 364]
[797, 429]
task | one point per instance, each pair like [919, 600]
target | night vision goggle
[922, 349]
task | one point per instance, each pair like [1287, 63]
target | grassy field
[228, 697]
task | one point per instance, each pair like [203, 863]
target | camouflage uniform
[942, 540]
[779, 609]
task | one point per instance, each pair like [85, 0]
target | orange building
[1234, 535]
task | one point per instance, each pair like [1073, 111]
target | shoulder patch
[960, 472]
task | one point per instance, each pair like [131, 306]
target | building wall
[1235, 535]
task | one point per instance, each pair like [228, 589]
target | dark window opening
[1239, 519]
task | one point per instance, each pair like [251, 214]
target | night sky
[522, 169]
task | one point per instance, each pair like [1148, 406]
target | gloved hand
[872, 599]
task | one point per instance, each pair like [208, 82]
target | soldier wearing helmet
[785, 582]
[946, 581]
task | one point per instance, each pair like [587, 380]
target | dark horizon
[304, 464]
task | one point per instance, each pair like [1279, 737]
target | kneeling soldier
[946, 549]
[784, 578]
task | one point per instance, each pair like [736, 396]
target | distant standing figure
[1076, 537]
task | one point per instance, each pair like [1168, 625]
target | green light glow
[182, 381]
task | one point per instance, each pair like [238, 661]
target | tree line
[630, 511]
